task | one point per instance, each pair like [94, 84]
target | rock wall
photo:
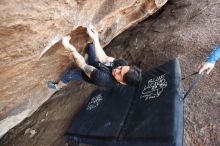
[27, 28]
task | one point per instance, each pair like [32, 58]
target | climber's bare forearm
[80, 61]
[98, 49]
[88, 70]
[101, 55]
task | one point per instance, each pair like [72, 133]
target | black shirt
[102, 75]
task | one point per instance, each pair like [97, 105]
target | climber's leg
[91, 54]
[66, 77]
[73, 74]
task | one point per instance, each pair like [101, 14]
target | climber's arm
[80, 61]
[100, 54]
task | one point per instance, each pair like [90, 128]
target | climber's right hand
[93, 34]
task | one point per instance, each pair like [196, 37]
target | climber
[101, 69]
[211, 60]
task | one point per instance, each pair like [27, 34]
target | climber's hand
[67, 45]
[92, 32]
[65, 41]
[206, 67]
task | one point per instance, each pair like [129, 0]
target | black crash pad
[148, 115]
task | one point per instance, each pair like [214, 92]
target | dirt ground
[185, 29]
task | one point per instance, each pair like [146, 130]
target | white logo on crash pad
[94, 102]
[154, 88]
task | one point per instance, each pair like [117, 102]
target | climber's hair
[133, 77]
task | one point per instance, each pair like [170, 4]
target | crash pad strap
[192, 85]
[195, 73]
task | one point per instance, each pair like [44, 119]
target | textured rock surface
[184, 28]
[28, 27]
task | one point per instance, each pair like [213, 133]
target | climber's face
[119, 72]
